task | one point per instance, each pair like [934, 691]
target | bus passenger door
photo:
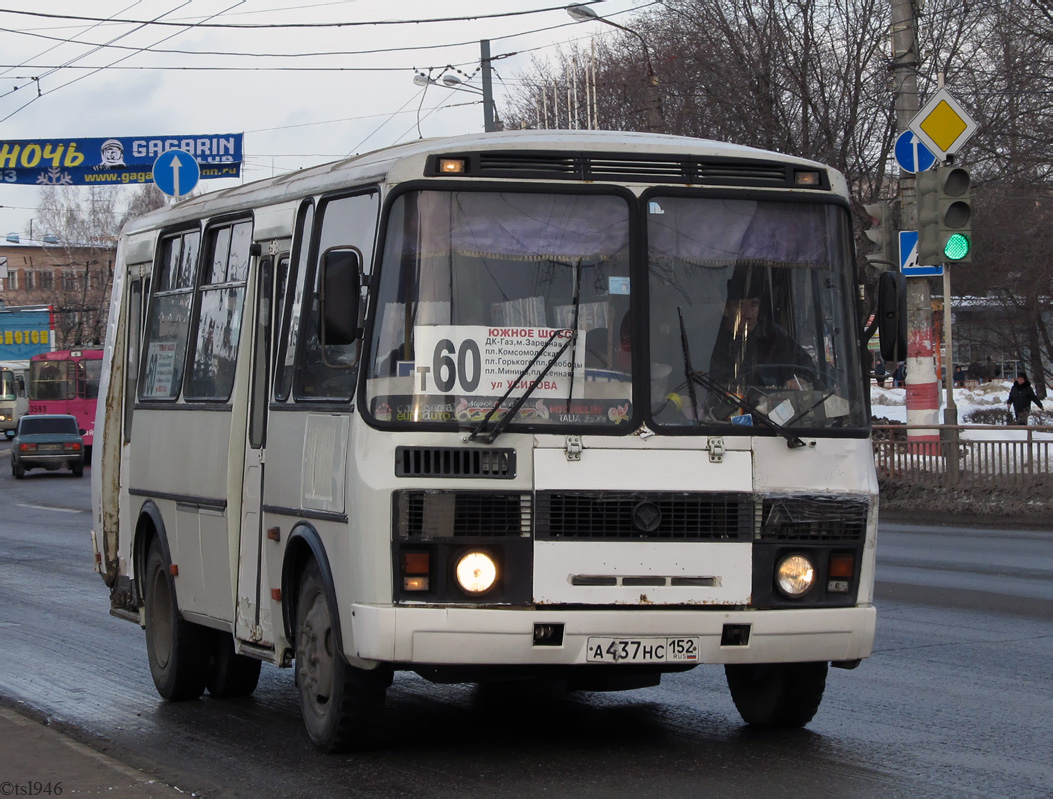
[252, 617]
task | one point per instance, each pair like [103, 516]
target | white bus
[13, 397]
[573, 406]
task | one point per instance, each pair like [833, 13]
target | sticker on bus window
[481, 361]
[618, 285]
[160, 369]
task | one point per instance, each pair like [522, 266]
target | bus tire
[230, 674]
[178, 650]
[777, 694]
[341, 705]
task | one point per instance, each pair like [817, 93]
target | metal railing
[965, 456]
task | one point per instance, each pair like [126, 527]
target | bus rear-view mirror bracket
[341, 287]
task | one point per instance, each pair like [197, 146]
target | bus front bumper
[478, 636]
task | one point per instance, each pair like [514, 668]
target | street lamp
[451, 81]
[447, 81]
[582, 13]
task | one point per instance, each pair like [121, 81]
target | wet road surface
[955, 701]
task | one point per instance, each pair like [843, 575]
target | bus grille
[622, 515]
[455, 462]
[427, 515]
[829, 517]
[588, 166]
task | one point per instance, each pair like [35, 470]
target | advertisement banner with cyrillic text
[113, 161]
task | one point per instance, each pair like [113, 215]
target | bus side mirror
[341, 286]
[892, 316]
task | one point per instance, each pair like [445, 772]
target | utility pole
[490, 123]
[923, 405]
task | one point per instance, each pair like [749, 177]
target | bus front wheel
[178, 650]
[341, 705]
[777, 694]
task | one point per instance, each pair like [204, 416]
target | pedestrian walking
[1021, 395]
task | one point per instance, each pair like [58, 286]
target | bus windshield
[483, 294]
[750, 315]
[50, 380]
[7, 385]
[753, 299]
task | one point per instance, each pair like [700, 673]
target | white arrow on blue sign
[912, 155]
[908, 257]
[176, 172]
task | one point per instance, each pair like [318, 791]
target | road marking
[48, 507]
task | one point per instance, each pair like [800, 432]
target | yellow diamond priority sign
[943, 125]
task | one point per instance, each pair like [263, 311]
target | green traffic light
[957, 247]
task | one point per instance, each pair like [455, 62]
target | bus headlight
[476, 572]
[795, 575]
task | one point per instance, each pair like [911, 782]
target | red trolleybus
[66, 381]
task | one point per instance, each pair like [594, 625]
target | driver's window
[329, 372]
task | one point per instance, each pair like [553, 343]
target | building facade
[74, 279]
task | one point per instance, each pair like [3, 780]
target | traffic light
[882, 233]
[892, 316]
[945, 232]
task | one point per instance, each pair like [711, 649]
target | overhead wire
[64, 41]
[116, 65]
[293, 25]
[69, 64]
[113, 65]
[409, 48]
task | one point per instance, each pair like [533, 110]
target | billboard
[25, 332]
[113, 161]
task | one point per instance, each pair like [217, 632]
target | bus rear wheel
[777, 694]
[342, 705]
[230, 674]
[178, 650]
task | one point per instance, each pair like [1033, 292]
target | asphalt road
[955, 701]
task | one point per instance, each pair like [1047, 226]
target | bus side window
[291, 293]
[164, 353]
[134, 333]
[328, 372]
[221, 298]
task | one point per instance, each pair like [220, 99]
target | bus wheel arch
[304, 546]
[150, 525]
[342, 705]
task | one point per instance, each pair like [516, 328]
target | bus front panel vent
[450, 515]
[645, 515]
[813, 518]
[499, 464]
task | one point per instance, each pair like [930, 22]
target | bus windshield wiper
[505, 420]
[703, 379]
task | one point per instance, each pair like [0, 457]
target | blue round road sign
[912, 155]
[176, 172]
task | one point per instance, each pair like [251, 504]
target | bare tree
[80, 228]
[811, 78]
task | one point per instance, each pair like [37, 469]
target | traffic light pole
[923, 400]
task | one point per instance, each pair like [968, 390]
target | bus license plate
[642, 650]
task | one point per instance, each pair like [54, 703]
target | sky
[301, 95]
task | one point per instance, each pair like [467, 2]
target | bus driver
[751, 349]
